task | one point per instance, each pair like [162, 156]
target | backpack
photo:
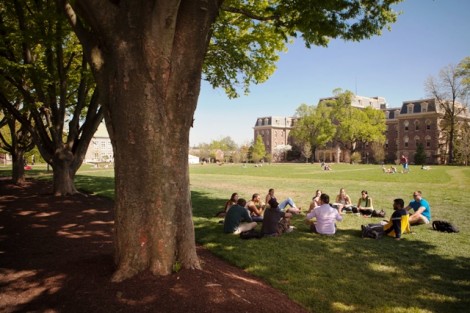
[250, 234]
[444, 226]
[375, 231]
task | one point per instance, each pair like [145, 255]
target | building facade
[415, 122]
[418, 122]
[100, 148]
[275, 132]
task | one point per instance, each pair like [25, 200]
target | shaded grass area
[425, 272]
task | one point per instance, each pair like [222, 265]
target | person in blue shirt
[421, 208]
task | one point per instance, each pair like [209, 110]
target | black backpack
[374, 231]
[251, 234]
[444, 226]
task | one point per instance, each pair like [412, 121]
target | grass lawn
[426, 271]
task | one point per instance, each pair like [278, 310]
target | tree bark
[149, 67]
[18, 175]
[63, 173]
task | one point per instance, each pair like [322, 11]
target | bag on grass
[251, 234]
[375, 231]
[444, 226]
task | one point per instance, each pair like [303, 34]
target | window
[428, 141]
[428, 125]
[416, 125]
[416, 140]
[410, 108]
[424, 107]
[406, 123]
[405, 141]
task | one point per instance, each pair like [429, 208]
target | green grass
[425, 272]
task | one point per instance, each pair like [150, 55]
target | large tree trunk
[64, 173]
[18, 175]
[151, 81]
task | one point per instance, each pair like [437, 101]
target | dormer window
[410, 108]
[424, 107]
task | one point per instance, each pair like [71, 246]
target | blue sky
[429, 35]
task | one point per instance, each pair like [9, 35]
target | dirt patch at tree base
[56, 255]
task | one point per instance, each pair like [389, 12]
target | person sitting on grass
[237, 219]
[275, 221]
[364, 204]
[343, 202]
[394, 226]
[421, 208]
[326, 216]
[282, 206]
[232, 201]
[256, 208]
[315, 201]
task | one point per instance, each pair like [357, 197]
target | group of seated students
[275, 217]
[344, 204]
[241, 215]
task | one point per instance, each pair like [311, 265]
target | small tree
[462, 147]
[306, 151]
[450, 91]
[356, 157]
[259, 151]
[420, 156]
[378, 151]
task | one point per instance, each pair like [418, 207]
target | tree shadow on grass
[345, 273]
[56, 256]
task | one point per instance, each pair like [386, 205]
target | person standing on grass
[421, 208]
[237, 219]
[404, 162]
[326, 217]
[282, 206]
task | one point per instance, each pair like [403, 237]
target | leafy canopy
[249, 35]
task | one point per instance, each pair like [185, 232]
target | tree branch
[250, 14]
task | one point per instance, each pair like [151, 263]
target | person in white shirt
[326, 216]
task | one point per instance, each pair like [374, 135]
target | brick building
[275, 132]
[415, 122]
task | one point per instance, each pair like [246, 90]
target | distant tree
[420, 155]
[450, 93]
[244, 152]
[269, 158]
[17, 141]
[306, 151]
[378, 151]
[259, 150]
[356, 157]
[313, 126]
[462, 146]
[463, 71]
[280, 152]
[44, 69]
